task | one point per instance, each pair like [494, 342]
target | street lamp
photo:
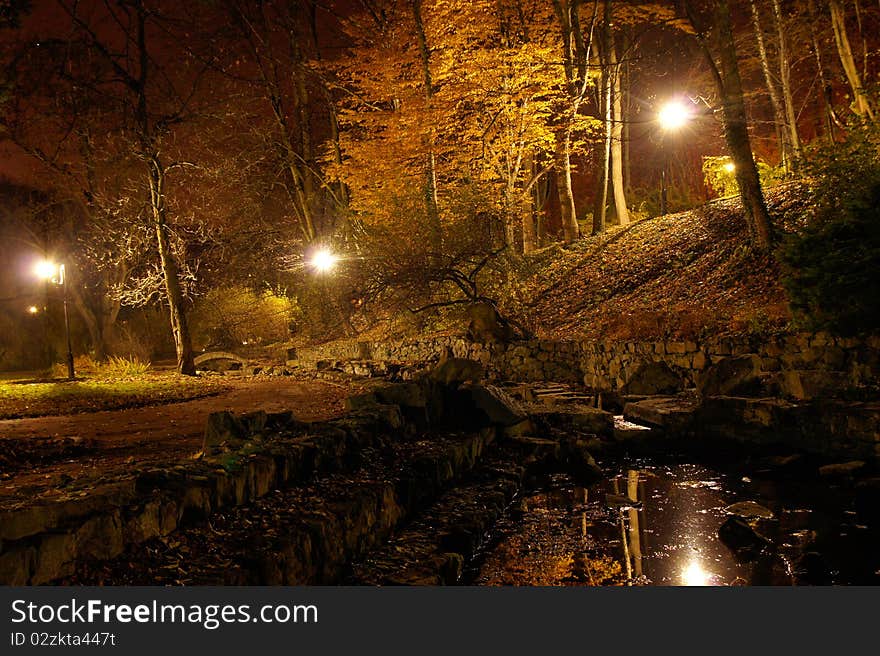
[54, 273]
[671, 117]
[323, 260]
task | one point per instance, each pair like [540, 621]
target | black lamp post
[63, 282]
[671, 117]
[55, 273]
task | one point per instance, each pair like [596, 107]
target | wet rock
[579, 462]
[523, 428]
[455, 371]
[621, 502]
[651, 378]
[782, 463]
[582, 418]
[497, 407]
[745, 543]
[749, 510]
[406, 395]
[223, 428]
[812, 569]
[732, 376]
[537, 448]
[670, 413]
[592, 420]
[452, 567]
[841, 469]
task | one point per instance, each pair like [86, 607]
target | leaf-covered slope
[682, 275]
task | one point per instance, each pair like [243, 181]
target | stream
[657, 523]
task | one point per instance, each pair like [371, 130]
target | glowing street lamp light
[54, 273]
[323, 260]
[33, 309]
[730, 167]
[671, 117]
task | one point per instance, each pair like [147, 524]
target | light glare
[695, 575]
[323, 260]
[673, 115]
[730, 167]
[46, 269]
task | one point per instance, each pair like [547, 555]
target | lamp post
[671, 117]
[55, 273]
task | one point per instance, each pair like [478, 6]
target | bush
[228, 317]
[832, 263]
[119, 367]
[720, 177]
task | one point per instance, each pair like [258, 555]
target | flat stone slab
[670, 413]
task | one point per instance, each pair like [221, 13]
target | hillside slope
[683, 275]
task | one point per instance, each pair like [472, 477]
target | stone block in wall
[771, 364]
[731, 376]
[649, 378]
[676, 348]
[806, 385]
[699, 361]
[834, 357]
[772, 349]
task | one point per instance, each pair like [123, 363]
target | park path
[153, 435]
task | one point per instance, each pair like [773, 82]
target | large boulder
[651, 378]
[494, 404]
[223, 428]
[745, 543]
[734, 376]
[454, 371]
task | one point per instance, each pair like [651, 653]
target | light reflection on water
[654, 524]
[669, 536]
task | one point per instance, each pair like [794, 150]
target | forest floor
[41, 457]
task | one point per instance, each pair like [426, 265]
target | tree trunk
[825, 92]
[431, 201]
[605, 106]
[733, 111]
[170, 271]
[782, 132]
[528, 215]
[570, 228]
[617, 181]
[785, 80]
[861, 104]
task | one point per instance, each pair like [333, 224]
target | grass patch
[45, 398]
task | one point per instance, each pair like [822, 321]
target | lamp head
[674, 114]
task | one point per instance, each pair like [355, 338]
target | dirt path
[44, 453]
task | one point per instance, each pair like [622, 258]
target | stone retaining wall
[804, 365]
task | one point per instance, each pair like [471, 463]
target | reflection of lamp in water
[695, 575]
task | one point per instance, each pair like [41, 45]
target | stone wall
[800, 365]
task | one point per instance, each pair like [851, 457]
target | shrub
[832, 263]
[721, 178]
[227, 317]
[119, 367]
